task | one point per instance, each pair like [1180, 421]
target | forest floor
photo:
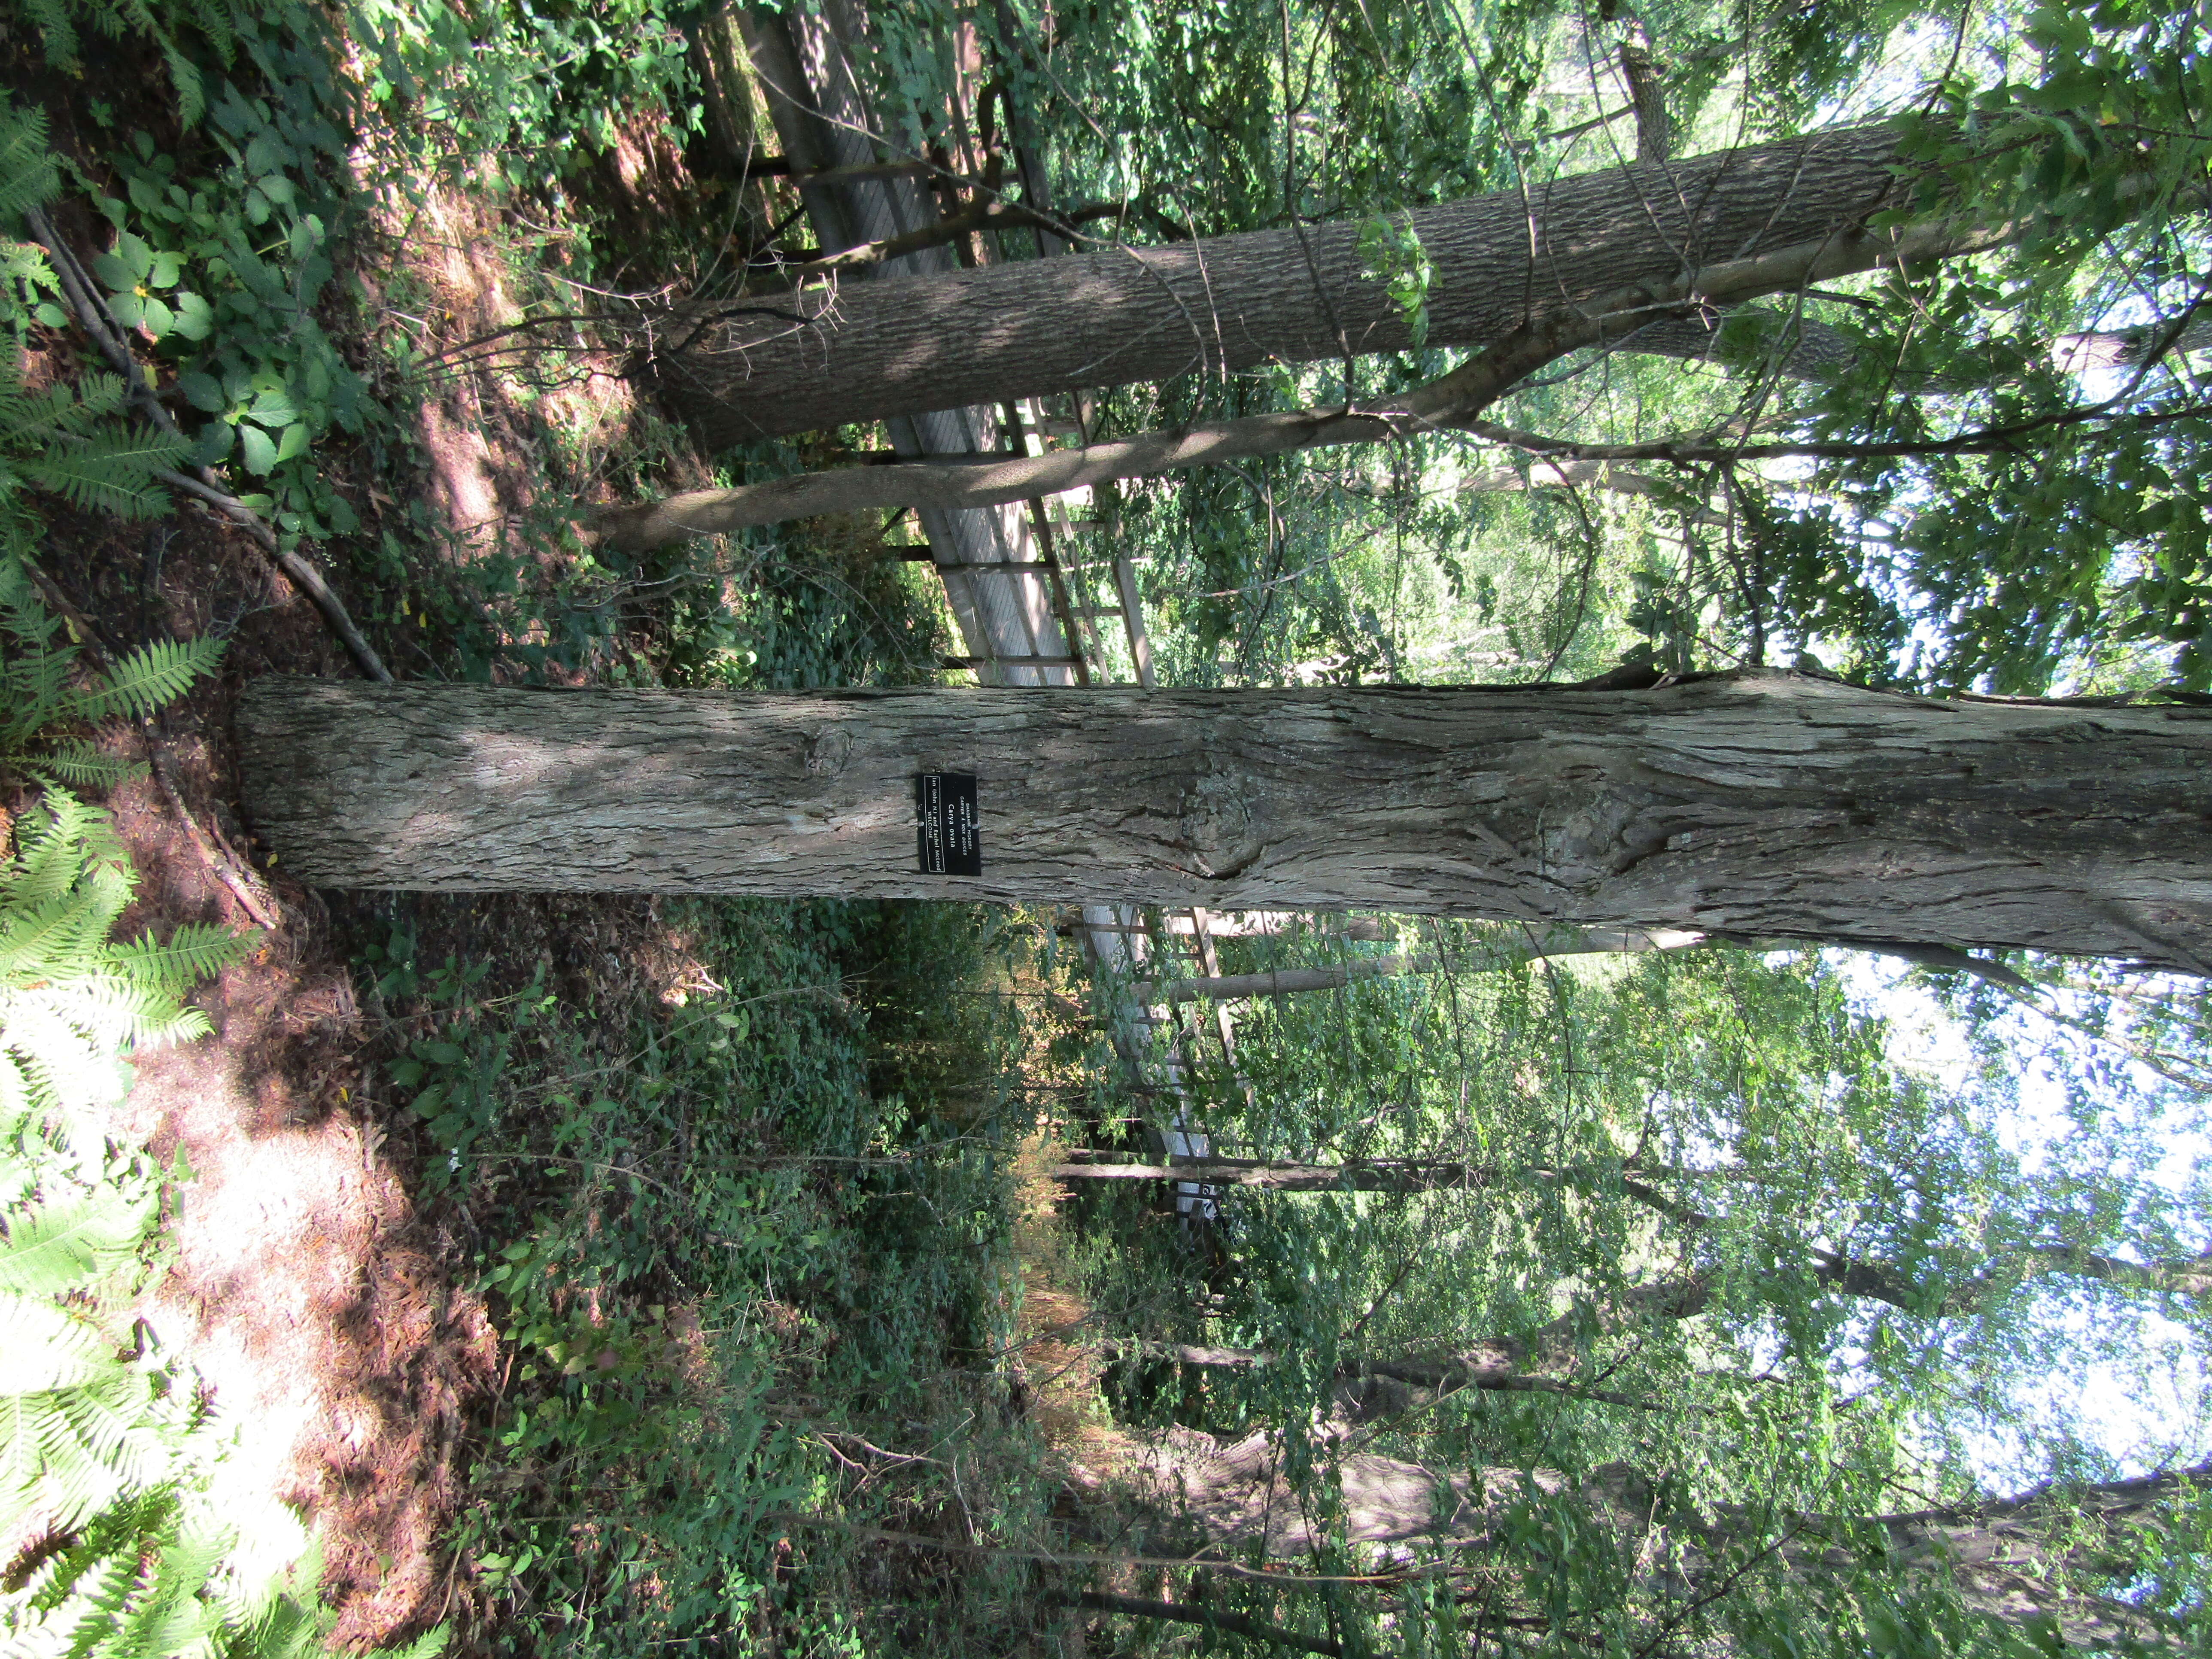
[469, 1453]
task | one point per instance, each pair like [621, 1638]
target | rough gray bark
[1455, 401]
[1758, 802]
[1234, 302]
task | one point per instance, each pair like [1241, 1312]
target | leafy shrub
[123, 1530]
[226, 268]
[64, 439]
[508, 97]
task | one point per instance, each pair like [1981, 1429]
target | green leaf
[201, 391]
[274, 410]
[260, 450]
[195, 317]
[213, 443]
[294, 443]
[158, 317]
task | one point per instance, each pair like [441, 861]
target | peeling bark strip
[1036, 327]
[1760, 803]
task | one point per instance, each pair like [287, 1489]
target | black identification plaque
[944, 830]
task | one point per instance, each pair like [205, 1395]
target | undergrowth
[748, 1250]
[735, 1250]
[124, 1526]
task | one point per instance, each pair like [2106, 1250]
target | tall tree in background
[1224, 305]
[1954, 392]
[1749, 1418]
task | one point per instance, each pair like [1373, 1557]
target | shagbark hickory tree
[1772, 805]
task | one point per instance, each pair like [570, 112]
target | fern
[60, 24]
[195, 951]
[113, 472]
[156, 674]
[142, 1548]
[27, 175]
[63, 438]
[43, 690]
[52, 1246]
[70, 998]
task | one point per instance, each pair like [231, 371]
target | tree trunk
[1370, 1391]
[1274, 924]
[1755, 802]
[2007, 1558]
[1938, 1296]
[1505, 953]
[753, 369]
[1456, 400]
[1277, 1176]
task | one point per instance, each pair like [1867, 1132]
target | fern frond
[59, 846]
[62, 408]
[14, 1093]
[112, 471]
[64, 935]
[154, 675]
[115, 1425]
[44, 1347]
[192, 95]
[73, 763]
[195, 951]
[38, 692]
[20, 1416]
[172, 1617]
[22, 614]
[28, 178]
[60, 1245]
[74, 1069]
[110, 1010]
[101, 1589]
[56, 31]
[429, 1645]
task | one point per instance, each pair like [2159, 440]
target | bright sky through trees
[2146, 1408]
